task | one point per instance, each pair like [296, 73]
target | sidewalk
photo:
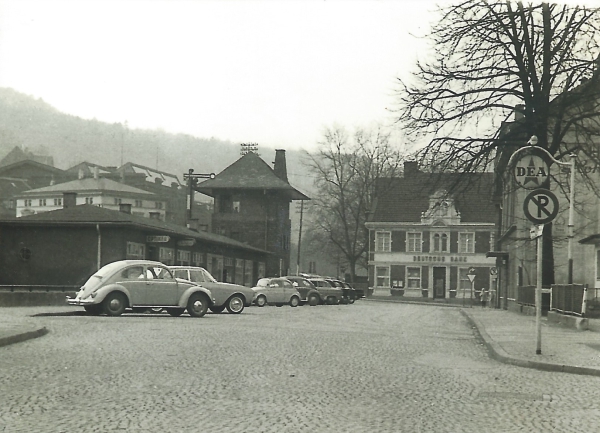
[15, 326]
[511, 338]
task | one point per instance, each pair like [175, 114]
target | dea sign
[531, 170]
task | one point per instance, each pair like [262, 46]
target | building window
[383, 276]
[166, 256]
[197, 259]
[117, 201]
[413, 278]
[383, 241]
[440, 243]
[239, 271]
[136, 251]
[248, 273]
[183, 258]
[236, 206]
[492, 241]
[27, 203]
[158, 204]
[58, 202]
[138, 203]
[89, 200]
[466, 242]
[42, 202]
[414, 243]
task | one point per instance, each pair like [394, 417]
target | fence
[568, 299]
[526, 296]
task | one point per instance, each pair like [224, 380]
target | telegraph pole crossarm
[192, 181]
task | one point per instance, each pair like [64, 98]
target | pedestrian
[484, 297]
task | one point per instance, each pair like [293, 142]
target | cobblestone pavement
[367, 367]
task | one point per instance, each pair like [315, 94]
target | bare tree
[495, 59]
[346, 170]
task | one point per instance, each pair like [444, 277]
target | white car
[276, 291]
[231, 296]
[140, 285]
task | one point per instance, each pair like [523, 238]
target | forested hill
[34, 124]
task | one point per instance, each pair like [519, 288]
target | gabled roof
[17, 154]
[249, 172]
[37, 165]
[91, 215]
[88, 184]
[404, 199]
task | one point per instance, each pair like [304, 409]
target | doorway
[439, 282]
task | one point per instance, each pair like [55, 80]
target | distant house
[252, 205]
[36, 174]
[100, 192]
[17, 155]
[429, 231]
[9, 188]
[166, 186]
[65, 247]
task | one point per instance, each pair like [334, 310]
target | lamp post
[192, 179]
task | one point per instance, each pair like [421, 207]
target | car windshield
[208, 276]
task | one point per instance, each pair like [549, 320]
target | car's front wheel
[261, 301]
[197, 305]
[313, 300]
[175, 312]
[114, 304]
[235, 305]
[294, 301]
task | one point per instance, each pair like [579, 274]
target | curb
[23, 336]
[499, 354]
[400, 301]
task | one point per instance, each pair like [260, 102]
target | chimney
[410, 168]
[125, 208]
[519, 112]
[158, 181]
[155, 215]
[279, 166]
[69, 199]
[174, 185]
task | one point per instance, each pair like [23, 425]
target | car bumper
[80, 302]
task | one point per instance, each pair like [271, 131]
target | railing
[526, 295]
[38, 288]
[568, 299]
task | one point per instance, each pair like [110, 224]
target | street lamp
[192, 179]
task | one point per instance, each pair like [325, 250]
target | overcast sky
[271, 72]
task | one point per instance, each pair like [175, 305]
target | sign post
[471, 276]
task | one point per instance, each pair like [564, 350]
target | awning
[593, 239]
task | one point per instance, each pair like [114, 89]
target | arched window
[440, 242]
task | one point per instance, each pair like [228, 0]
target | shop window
[136, 251]
[183, 258]
[466, 242]
[383, 276]
[414, 242]
[413, 278]
[166, 256]
[197, 259]
[440, 243]
[383, 242]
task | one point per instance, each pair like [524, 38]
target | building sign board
[186, 242]
[531, 170]
[159, 239]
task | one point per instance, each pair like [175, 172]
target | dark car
[333, 295]
[348, 292]
[308, 292]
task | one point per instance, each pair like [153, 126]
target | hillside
[34, 124]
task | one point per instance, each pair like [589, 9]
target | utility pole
[299, 238]
[192, 179]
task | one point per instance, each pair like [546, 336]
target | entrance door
[439, 282]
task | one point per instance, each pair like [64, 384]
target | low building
[64, 247]
[429, 231]
[97, 191]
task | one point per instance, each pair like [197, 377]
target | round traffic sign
[540, 206]
[531, 170]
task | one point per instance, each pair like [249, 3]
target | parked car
[231, 296]
[360, 293]
[276, 291]
[140, 285]
[308, 291]
[333, 295]
[348, 295]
